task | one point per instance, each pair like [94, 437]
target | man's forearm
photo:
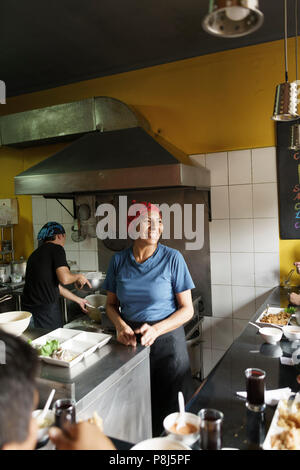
[113, 314]
[178, 318]
[67, 294]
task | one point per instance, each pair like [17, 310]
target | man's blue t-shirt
[146, 291]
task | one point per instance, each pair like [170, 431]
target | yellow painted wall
[212, 103]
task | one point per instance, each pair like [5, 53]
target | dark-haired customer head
[18, 396]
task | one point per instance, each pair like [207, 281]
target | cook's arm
[69, 295]
[183, 314]
[65, 277]
[125, 334]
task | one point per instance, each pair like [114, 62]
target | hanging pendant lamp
[232, 18]
[286, 98]
[295, 128]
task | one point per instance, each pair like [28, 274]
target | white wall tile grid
[84, 254]
[244, 242]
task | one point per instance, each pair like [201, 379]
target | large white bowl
[187, 439]
[160, 443]
[15, 323]
[271, 335]
[291, 332]
[95, 300]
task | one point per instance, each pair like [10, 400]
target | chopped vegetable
[48, 348]
[290, 309]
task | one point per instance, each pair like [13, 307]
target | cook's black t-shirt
[41, 282]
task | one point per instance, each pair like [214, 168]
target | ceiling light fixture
[295, 128]
[286, 98]
[232, 18]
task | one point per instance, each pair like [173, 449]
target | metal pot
[96, 279]
[19, 267]
[5, 272]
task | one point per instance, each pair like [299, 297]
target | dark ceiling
[47, 43]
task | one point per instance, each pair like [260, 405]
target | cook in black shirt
[46, 272]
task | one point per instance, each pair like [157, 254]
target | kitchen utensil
[77, 235]
[5, 298]
[19, 266]
[170, 427]
[181, 420]
[15, 322]
[160, 443]
[271, 335]
[291, 332]
[95, 304]
[6, 245]
[47, 405]
[286, 282]
[5, 272]
[253, 324]
[96, 279]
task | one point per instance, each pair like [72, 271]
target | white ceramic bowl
[291, 332]
[15, 322]
[43, 428]
[271, 335]
[187, 439]
[160, 443]
[96, 300]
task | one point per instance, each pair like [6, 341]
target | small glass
[210, 429]
[255, 386]
[64, 412]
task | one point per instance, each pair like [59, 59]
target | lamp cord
[296, 38]
[285, 41]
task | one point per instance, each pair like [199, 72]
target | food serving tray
[273, 311]
[80, 344]
[274, 429]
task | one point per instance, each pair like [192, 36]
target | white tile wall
[85, 253]
[244, 242]
[220, 202]
[239, 164]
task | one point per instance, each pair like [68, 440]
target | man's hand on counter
[148, 334]
[81, 436]
[125, 335]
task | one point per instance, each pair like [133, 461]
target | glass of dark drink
[65, 412]
[255, 386]
[210, 429]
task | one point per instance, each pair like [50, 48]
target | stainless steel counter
[114, 382]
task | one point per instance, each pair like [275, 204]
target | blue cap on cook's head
[49, 230]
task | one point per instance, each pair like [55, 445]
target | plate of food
[276, 316]
[284, 431]
[67, 347]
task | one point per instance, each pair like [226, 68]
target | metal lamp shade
[232, 18]
[286, 102]
[295, 137]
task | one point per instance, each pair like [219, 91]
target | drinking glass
[65, 412]
[255, 386]
[210, 429]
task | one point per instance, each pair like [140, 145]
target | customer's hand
[81, 436]
[125, 335]
[149, 334]
[297, 264]
[294, 298]
[82, 281]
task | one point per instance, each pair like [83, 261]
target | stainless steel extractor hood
[111, 157]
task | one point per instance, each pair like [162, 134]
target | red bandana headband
[148, 207]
